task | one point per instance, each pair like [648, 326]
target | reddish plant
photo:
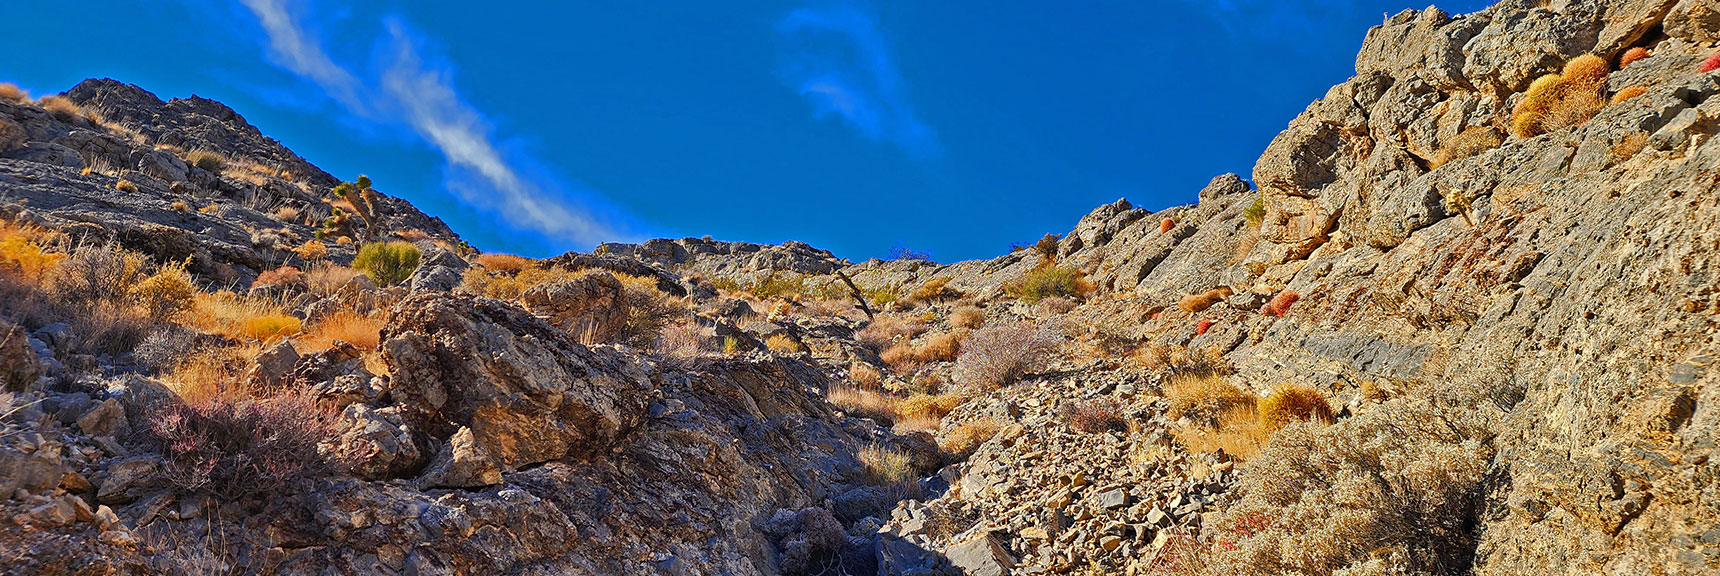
[233, 448]
[1711, 63]
[1632, 55]
[283, 276]
[1166, 225]
[1280, 304]
[1095, 416]
[1203, 326]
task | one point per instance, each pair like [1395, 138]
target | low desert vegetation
[1632, 55]
[1096, 416]
[777, 285]
[682, 342]
[996, 356]
[907, 357]
[784, 344]
[1627, 93]
[1195, 303]
[1281, 303]
[209, 160]
[1255, 213]
[886, 329]
[1049, 281]
[1558, 101]
[935, 290]
[960, 441]
[1291, 403]
[885, 466]
[125, 186]
[969, 317]
[387, 263]
[235, 448]
[1470, 142]
[12, 93]
[499, 262]
[361, 331]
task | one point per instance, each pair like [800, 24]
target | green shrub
[387, 263]
[778, 284]
[1256, 213]
[1048, 281]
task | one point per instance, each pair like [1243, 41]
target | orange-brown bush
[1290, 403]
[934, 290]
[886, 329]
[125, 186]
[234, 448]
[283, 276]
[784, 344]
[1047, 281]
[1194, 303]
[12, 93]
[1280, 304]
[961, 440]
[967, 317]
[906, 357]
[1627, 93]
[167, 292]
[865, 402]
[1632, 55]
[312, 250]
[361, 331]
[499, 262]
[1205, 399]
[865, 375]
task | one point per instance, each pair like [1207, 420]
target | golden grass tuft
[1047, 281]
[963, 439]
[312, 250]
[209, 160]
[125, 186]
[499, 262]
[1204, 398]
[885, 466]
[20, 253]
[363, 332]
[934, 290]
[1195, 303]
[1473, 140]
[61, 108]
[12, 93]
[180, 206]
[969, 317]
[784, 344]
[1291, 403]
[241, 317]
[270, 327]
[865, 375]
[864, 402]
[1238, 433]
[907, 358]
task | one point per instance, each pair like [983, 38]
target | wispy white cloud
[837, 58]
[480, 174]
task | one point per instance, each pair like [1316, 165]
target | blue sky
[954, 127]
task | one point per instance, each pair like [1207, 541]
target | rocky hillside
[1459, 321]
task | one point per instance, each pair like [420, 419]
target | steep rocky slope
[1514, 339]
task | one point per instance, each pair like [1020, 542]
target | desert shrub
[1047, 281]
[996, 356]
[1544, 92]
[387, 263]
[1204, 399]
[180, 206]
[865, 375]
[932, 407]
[500, 262]
[22, 255]
[884, 330]
[1290, 403]
[967, 317]
[681, 342]
[778, 285]
[236, 448]
[1710, 64]
[97, 273]
[1397, 488]
[934, 290]
[1558, 101]
[312, 250]
[209, 160]
[880, 296]
[731, 345]
[1627, 93]
[906, 358]
[1256, 213]
[1632, 55]
[1280, 304]
[125, 186]
[1095, 416]
[884, 466]
[648, 311]
[1046, 248]
[361, 331]
[784, 344]
[240, 317]
[1054, 306]
[963, 439]
[165, 347]
[1238, 433]
[725, 284]
[12, 93]
[1195, 303]
[167, 292]
[1471, 141]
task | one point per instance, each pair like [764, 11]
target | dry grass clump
[312, 250]
[681, 342]
[865, 402]
[1205, 399]
[505, 286]
[929, 406]
[361, 331]
[1095, 416]
[1238, 434]
[167, 292]
[778, 285]
[125, 186]
[881, 296]
[885, 466]
[1280, 304]
[907, 358]
[499, 262]
[209, 160]
[61, 108]
[1471, 141]
[12, 93]
[1048, 281]
[1395, 490]
[283, 276]
[1194, 303]
[1054, 306]
[963, 439]
[180, 206]
[969, 317]
[21, 254]
[1290, 403]
[784, 344]
[886, 329]
[865, 375]
[241, 317]
[327, 279]
[934, 290]
[996, 356]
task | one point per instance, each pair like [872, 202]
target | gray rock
[462, 463]
[982, 556]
